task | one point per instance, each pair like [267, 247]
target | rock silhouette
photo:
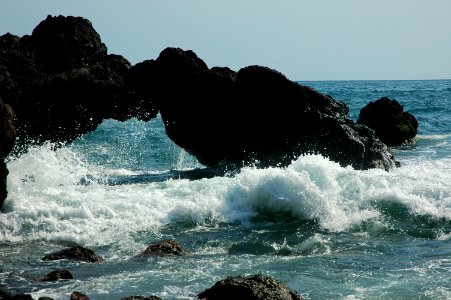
[61, 83]
[388, 119]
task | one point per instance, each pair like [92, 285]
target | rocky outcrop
[62, 83]
[255, 287]
[76, 253]
[388, 119]
[7, 139]
[255, 116]
[165, 248]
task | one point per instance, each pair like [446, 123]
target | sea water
[328, 232]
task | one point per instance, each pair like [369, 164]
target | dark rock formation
[77, 253]
[140, 81]
[388, 119]
[62, 83]
[6, 296]
[78, 296]
[165, 248]
[255, 116]
[57, 275]
[255, 287]
[141, 298]
[7, 139]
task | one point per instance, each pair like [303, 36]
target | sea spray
[47, 201]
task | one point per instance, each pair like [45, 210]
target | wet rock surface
[76, 253]
[141, 298]
[58, 275]
[255, 287]
[76, 295]
[165, 248]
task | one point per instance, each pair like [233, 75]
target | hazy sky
[305, 40]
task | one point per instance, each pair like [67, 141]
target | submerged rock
[388, 119]
[57, 275]
[77, 253]
[255, 287]
[255, 116]
[165, 248]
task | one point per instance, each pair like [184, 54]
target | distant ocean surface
[326, 231]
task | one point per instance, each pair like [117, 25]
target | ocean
[326, 231]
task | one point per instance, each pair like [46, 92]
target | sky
[303, 39]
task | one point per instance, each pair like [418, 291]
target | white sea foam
[47, 201]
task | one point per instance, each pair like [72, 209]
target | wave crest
[47, 200]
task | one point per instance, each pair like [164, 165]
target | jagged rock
[57, 275]
[64, 43]
[7, 140]
[388, 119]
[255, 287]
[62, 83]
[165, 248]
[78, 296]
[77, 253]
[256, 116]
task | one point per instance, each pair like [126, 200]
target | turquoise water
[326, 231]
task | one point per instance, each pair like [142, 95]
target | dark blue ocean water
[326, 231]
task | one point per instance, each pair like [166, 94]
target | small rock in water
[165, 248]
[58, 274]
[78, 296]
[254, 287]
[388, 119]
[75, 253]
[141, 298]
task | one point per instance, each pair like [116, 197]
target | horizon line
[313, 80]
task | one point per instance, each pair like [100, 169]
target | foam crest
[308, 189]
[48, 202]
[313, 187]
